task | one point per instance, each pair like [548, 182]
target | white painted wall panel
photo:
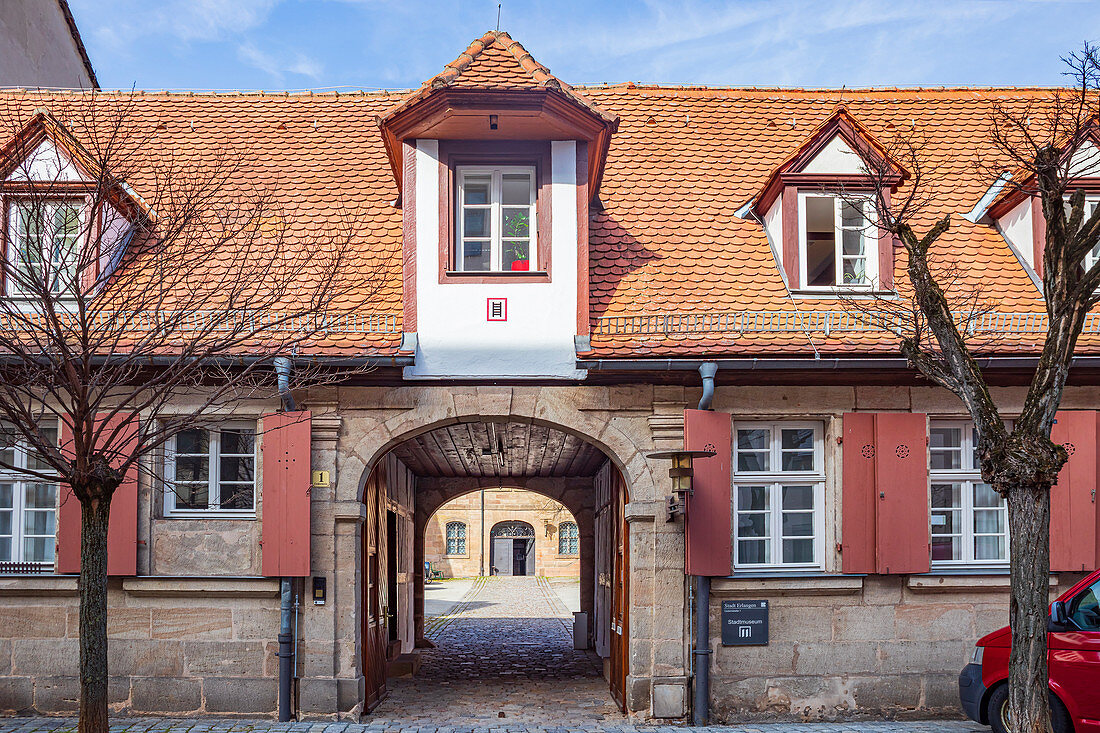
[1016, 227]
[454, 337]
[837, 157]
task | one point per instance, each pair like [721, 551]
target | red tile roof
[667, 239]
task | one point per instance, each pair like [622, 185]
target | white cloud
[186, 20]
[276, 66]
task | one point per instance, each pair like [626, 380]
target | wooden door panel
[374, 589]
[620, 592]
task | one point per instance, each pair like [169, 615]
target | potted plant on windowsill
[517, 226]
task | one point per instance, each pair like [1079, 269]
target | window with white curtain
[969, 519]
[779, 494]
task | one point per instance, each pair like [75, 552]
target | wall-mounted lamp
[681, 474]
[492, 122]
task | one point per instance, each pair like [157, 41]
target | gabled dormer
[64, 222]
[496, 161]
[827, 243]
[1015, 206]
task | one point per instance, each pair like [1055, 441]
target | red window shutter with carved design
[857, 530]
[286, 485]
[885, 514]
[708, 529]
[122, 525]
[1073, 515]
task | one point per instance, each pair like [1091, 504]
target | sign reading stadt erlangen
[744, 623]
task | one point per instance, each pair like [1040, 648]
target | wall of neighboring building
[38, 47]
[501, 505]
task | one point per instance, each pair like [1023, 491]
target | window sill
[832, 293]
[811, 583]
[195, 587]
[38, 585]
[251, 515]
[504, 276]
[966, 580]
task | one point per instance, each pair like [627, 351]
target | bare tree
[1038, 149]
[149, 287]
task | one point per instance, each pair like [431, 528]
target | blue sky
[296, 44]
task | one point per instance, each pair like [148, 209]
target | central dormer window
[42, 246]
[836, 249]
[496, 221]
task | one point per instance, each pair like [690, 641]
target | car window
[1084, 610]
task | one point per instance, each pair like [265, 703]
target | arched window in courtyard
[456, 538]
[568, 539]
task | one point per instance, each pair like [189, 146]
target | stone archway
[412, 412]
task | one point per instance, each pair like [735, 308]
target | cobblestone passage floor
[504, 658]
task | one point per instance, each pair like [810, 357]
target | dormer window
[496, 227]
[1091, 202]
[836, 249]
[42, 246]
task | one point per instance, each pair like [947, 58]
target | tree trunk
[1029, 528]
[93, 616]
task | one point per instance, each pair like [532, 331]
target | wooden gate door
[374, 588]
[620, 591]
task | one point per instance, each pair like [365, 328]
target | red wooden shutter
[791, 237]
[122, 525]
[885, 524]
[708, 531]
[286, 484]
[902, 514]
[858, 494]
[1073, 515]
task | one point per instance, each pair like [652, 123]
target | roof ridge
[811, 90]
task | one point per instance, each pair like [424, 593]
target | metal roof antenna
[498, 16]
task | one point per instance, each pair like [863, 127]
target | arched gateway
[411, 474]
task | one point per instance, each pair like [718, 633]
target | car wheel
[999, 719]
[998, 710]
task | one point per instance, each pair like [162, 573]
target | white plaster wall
[47, 164]
[773, 226]
[1085, 161]
[836, 157]
[1016, 227]
[454, 337]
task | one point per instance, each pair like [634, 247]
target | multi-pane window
[211, 471]
[1090, 208]
[969, 519]
[779, 486]
[568, 539]
[43, 238]
[496, 219]
[839, 248]
[28, 506]
[456, 538]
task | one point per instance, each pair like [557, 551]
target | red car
[1073, 659]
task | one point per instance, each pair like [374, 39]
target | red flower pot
[523, 265]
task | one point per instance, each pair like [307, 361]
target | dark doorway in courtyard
[513, 548]
[508, 643]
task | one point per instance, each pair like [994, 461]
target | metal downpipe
[286, 651]
[700, 709]
[283, 366]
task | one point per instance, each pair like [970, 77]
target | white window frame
[213, 476]
[1091, 203]
[14, 204]
[465, 539]
[775, 479]
[968, 474]
[20, 482]
[496, 217]
[870, 239]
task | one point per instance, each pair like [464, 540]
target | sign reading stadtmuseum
[744, 623]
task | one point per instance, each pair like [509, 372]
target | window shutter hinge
[839, 439]
[839, 547]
